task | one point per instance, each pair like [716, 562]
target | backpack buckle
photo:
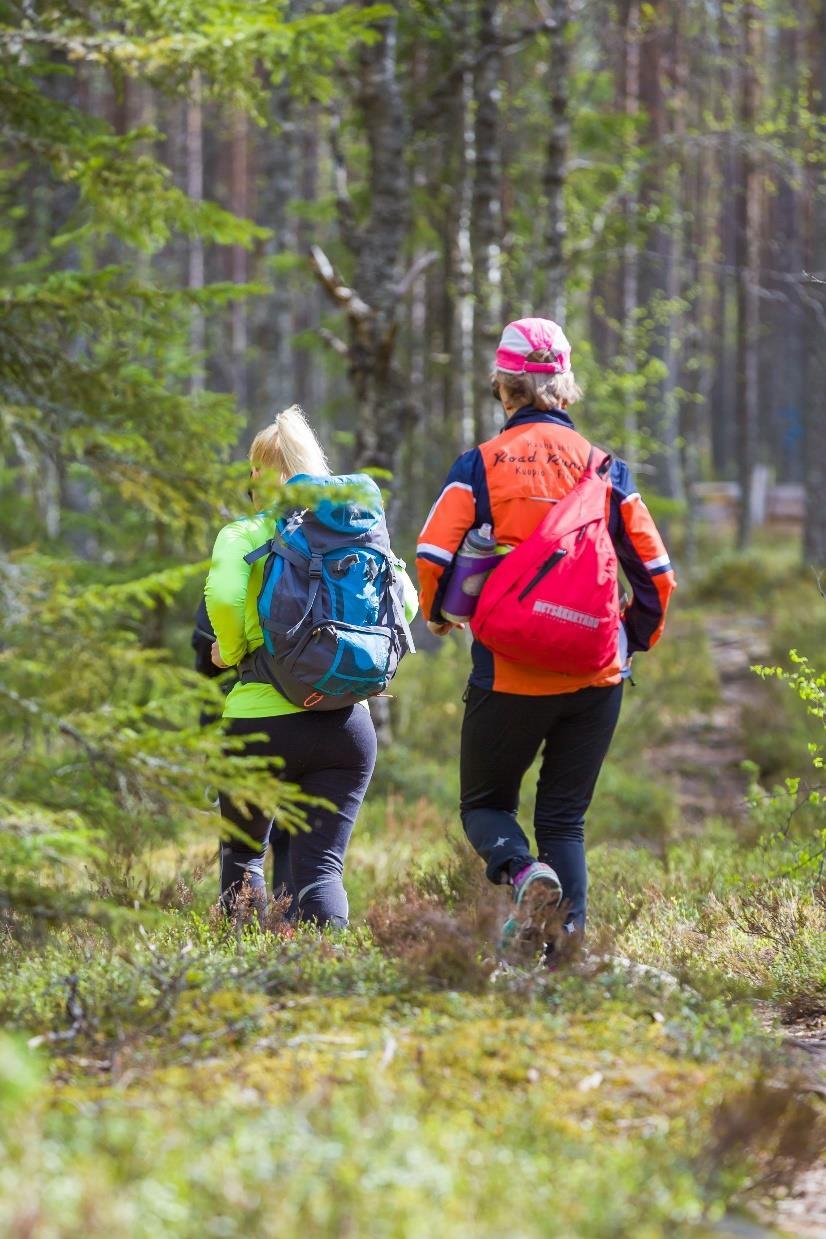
[315, 568]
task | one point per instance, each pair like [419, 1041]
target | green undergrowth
[193, 1082]
[188, 1078]
[172, 1075]
[714, 912]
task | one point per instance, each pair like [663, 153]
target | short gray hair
[543, 391]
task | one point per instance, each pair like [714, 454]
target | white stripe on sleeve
[427, 548]
[659, 562]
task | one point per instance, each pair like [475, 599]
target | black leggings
[330, 755]
[501, 735]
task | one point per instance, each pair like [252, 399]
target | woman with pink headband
[522, 696]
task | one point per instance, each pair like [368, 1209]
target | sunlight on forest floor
[397, 1080]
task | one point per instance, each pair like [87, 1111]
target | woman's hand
[441, 630]
[216, 656]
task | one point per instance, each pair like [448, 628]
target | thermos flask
[473, 563]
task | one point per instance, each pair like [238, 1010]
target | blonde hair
[288, 446]
[543, 391]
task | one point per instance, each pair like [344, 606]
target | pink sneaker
[537, 893]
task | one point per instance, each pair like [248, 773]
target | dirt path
[803, 1212]
[708, 757]
[703, 761]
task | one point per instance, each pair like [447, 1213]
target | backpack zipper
[549, 563]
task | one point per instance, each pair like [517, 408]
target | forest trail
[803, 1211]
[705, 763]
[703, 760]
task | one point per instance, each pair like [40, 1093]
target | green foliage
[800, 797]
[739, 578]
[192, 1070]
[115, 456]
[179, 1052]
[21, 1077]
[168, 44]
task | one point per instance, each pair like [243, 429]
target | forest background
[208, 212]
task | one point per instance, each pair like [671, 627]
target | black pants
[501, 736]
[330, 755]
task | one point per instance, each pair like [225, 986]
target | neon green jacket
[231, 593]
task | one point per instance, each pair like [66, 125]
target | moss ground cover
[169, 1075]
[254, 1101]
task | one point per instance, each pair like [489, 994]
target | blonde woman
[328, 754]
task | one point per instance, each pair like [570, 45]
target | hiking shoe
[537, 893]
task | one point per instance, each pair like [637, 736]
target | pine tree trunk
[377, 383]
[306, 304]
[674, 259]
[485, 224]
[630, 101]
[195, 255]
[239, 205]
[271, 318]
[814, 533]
[748, 273]
[786, 384]
[556, 159]
[655, 246]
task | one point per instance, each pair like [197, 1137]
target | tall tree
[814, 537]
[485, 218]
[239, 200]
[748, 237]
[556, 159]
[194, 120]
[376, 246]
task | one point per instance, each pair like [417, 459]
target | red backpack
[553, 602]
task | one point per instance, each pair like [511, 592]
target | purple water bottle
[473, 563]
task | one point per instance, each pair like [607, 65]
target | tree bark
[485, 221]
[814, 533]
[195, 255]
[372, 304]
[655, 258]
[748, 273]
[555, 164]
[674, 259]
[240, 205]
[271, 318]
[630, 295]
[307, 302]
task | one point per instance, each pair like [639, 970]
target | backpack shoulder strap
[599, 461]
[260, 551]
[397, 603]
[280, 546]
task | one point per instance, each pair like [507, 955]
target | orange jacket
[507, 483]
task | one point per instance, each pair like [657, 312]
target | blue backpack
[331, 604]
